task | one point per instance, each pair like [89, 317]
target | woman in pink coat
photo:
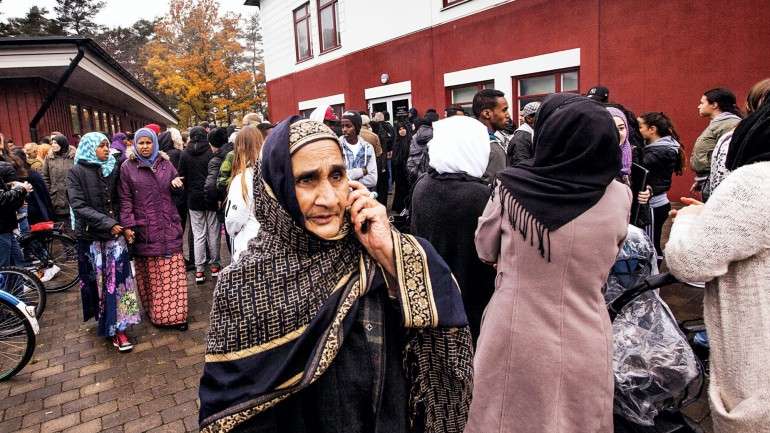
[553, 228]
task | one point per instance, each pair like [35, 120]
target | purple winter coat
[147, 208]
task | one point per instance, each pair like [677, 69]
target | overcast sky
[117, 12]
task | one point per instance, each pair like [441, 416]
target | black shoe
[182, 326]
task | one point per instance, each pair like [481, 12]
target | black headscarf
[751, 140]
[64, 145]
[401, 144]
[576, 157]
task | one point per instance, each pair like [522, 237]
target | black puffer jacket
[213, 194]
[11, 199]
[193, 167]
[417, 163]
[661, 158]
[93, 199]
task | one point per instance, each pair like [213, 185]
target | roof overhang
[96, 76]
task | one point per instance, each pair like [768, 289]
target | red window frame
[481, 85]
[449, 3]
[322, 5]
[302, 20]
[540, 96]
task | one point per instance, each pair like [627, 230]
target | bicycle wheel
[23, 285]
[54, 249]
[17, 339]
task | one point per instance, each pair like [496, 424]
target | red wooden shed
[70, 85]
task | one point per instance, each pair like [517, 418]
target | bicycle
[50, 248]
[18, 328]
[25, 286]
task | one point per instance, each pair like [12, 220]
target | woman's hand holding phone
[372, 227]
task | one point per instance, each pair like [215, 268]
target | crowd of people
[127, 201]
[431, 274]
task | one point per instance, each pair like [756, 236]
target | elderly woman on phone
[330, 303]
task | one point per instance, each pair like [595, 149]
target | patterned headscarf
[625, 146]
[285, 140]
[87, 152]
[146, 132]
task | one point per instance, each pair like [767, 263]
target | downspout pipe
[48, 101]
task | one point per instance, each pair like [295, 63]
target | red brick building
[653, 55]
[71, 85]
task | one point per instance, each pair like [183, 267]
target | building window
[302, 32]
[537, 87]
[448, 3]
[337, 108]
[87, 125]
[463, 96]
[75, 118]
[105, 122]
[97, 121]
[328, 28]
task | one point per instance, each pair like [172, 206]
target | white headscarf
[319, 113]
[460, 145]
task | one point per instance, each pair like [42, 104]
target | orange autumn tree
[195, 59]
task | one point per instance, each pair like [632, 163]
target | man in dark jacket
[520, 146]
[193, 168]
[220, 147]
[491, 108]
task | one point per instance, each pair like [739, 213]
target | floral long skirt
[162, 283]
[107, 286]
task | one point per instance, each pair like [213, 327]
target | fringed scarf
[576, 157]
[281, 312]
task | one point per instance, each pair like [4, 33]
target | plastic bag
[654, 367]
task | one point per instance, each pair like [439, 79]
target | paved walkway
[78, 382]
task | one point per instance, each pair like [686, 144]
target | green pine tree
[76, 16]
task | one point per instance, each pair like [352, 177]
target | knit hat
[530, 109]
[354, 118]
[218, 137]
[154, 127]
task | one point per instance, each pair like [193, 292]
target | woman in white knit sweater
[726, 242]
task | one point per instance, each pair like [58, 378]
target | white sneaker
[49, 273]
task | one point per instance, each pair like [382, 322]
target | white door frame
[389, 101]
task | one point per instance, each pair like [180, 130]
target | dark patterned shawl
[281, 312]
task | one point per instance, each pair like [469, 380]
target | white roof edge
[400, 88]
[318, 102]
[101, 70]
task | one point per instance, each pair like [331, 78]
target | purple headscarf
[117, 142]
[625, 146]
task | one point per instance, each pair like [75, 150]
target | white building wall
[362, 24]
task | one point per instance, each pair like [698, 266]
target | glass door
[397, 106]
